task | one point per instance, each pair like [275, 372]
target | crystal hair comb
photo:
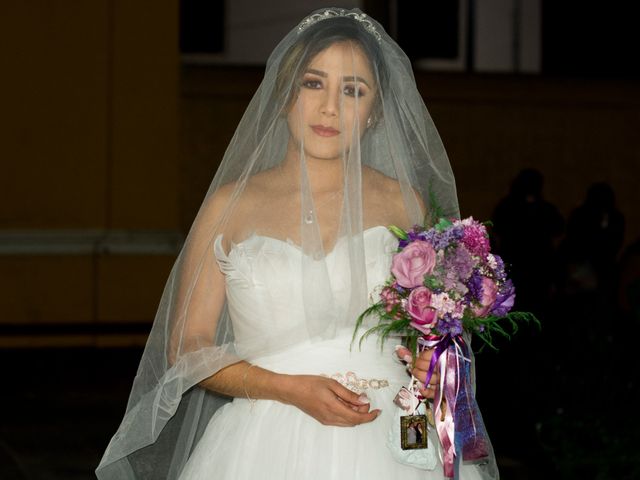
[367, 24]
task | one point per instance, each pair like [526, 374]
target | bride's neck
[325, 175]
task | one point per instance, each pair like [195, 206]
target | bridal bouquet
[445, 285]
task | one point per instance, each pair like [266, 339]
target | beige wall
[575, 132]
[91, 105]
[89, 94]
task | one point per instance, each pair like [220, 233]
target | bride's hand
[421, 368]
[328, 401]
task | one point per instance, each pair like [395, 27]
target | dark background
[106, 132]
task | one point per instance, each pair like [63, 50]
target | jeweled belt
[357, 384]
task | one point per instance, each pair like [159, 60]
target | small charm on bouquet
[413, 421]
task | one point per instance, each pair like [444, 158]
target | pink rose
[414, 262]
[487, 297]
[420, 309]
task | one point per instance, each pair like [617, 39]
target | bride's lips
[325, 131]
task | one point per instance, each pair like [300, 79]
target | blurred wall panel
[89, 202]
[144, 101]
[131, 287]
[53, 127]
[46, 289]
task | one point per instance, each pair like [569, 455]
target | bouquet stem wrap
[459, 424]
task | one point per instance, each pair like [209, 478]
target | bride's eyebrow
[352, 78]
[355, 78]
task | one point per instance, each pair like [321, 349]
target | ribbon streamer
[458, 422]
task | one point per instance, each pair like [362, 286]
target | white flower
[443, 303]
[491, 259]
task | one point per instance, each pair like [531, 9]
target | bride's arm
[200, 303]
[323, 398]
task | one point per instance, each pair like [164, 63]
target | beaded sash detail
[357, 384]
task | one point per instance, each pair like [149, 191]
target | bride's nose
[330, 105]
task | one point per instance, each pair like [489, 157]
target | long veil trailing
[389, 163]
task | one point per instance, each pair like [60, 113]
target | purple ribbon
[461, 431]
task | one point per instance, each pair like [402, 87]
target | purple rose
[504, 300]
[413, 263]
[420, 309]
[487, 297]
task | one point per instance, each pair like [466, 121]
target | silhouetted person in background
[595, 232]
[525, 227]
[629, 284]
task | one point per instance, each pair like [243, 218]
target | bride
[249, 370]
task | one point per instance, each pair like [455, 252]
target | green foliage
[398, 232]
[432, 283]
[486, 327]
[483, 327]
[388, 324]
[434, 211]
[443, 224]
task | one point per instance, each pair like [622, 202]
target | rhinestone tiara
[364, 20]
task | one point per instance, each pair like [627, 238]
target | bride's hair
[317, 38]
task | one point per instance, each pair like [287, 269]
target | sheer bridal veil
[335, 141]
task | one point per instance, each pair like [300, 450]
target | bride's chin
[329, 159]
[326, 154]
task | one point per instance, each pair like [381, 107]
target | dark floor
[61, 406]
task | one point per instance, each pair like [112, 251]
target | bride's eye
[312, 83]
[353, 91]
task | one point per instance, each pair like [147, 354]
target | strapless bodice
[264, 282]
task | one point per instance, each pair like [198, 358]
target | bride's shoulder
[239, 191]
[386, 188]
[243, 197]
[376, 181]
[216, 202]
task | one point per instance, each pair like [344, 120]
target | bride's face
[336, 94]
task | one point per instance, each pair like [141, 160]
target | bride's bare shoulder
[379, 182]
[243, 192]
[375, 179]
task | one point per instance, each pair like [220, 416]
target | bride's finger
[421, 375]
[403, 353]
[424, 362]
[428, 392]
[344, 416]
[356, 408]
[347, 400]
[348, 396]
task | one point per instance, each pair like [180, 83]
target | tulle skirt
[269, 440]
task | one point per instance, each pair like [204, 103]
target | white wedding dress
[271, 440]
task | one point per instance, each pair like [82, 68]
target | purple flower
[487, 297]
[499, 272]
[460, 261]
[476, 239]
[443, 239]
[449, 326]
[504, 300]
[475, 286]
[416, 233]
